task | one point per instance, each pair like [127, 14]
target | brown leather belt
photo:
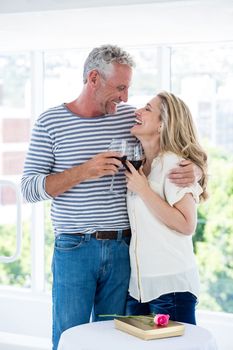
[107, 234]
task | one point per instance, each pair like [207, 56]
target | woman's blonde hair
[178, 134]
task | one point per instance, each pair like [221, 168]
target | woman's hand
[136, 180]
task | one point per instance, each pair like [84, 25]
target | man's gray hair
[101, 59]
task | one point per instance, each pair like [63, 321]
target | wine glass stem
[112, 183]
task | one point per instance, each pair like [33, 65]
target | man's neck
[84, 106]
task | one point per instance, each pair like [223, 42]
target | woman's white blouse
[162, 259]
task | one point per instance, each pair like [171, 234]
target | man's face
[113, 88]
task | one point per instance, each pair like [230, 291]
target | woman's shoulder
[170, 157]
[167, 160]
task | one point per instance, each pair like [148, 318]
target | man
[68, 162]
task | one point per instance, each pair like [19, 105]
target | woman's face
[147, 120]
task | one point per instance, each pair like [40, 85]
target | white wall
[25, 314]
[25, 321]
[176, 22]
[14, 6]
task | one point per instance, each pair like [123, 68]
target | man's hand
[106, 163]
[186, 174]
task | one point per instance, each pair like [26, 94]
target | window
[203, 77]
[63, 76]
[14, 137]
[145, 77]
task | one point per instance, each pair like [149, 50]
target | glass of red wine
[121, 146]
[136, 156]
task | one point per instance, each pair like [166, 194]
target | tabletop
[104, 336]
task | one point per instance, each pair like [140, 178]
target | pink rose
[161, 319]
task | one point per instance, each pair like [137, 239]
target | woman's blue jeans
[180, 306]
[90, 276]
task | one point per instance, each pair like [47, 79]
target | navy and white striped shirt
[61, 140]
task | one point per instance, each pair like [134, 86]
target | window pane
[203, 77]
[14, 136]
[63, 76]
[145, 76]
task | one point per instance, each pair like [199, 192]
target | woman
[163, 217]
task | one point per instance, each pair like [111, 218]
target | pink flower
[161, 319]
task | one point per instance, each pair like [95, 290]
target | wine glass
[121, 146]
[136, 156]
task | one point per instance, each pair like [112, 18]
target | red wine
[122, 159]
[136, 163]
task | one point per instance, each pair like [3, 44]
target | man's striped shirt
[61, 140]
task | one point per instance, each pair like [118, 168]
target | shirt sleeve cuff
[41, 188]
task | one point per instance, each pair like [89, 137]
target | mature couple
[68, 162]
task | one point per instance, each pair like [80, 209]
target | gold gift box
[144, 328]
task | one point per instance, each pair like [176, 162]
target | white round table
[104, 336]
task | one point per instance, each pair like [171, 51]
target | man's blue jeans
[180, 306]
[90, 276]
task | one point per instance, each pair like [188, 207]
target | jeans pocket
[68, 242]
